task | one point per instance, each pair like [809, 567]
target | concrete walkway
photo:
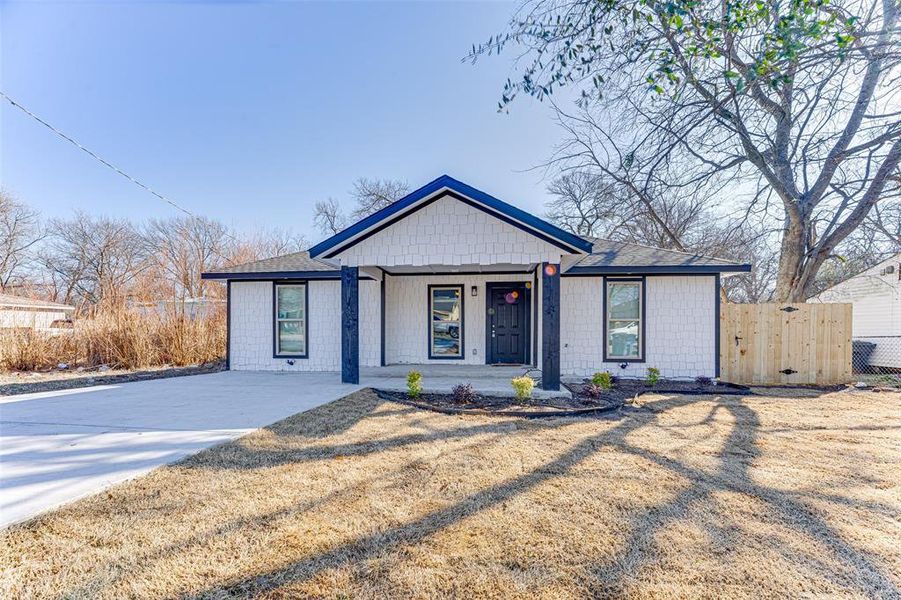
[58, 446]
[488, 380]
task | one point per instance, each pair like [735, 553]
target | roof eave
[273, 275]
[657, 269]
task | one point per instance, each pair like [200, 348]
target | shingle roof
[298, 262]
[612, 256]
[11, 301]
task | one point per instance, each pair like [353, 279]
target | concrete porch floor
[488, 380]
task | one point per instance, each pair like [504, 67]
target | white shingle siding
[252, 327]
[449, 232]
[680, 328]
[407, 317]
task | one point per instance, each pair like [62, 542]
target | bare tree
[372, 195]
[799, 100]
[20, 232]
[92, 259]
[369, 196]
[328, 218]
[586, 204]
[179, 249]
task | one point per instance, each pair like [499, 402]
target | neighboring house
[451, 275]
[191, 308]
[18, 312]
[875, 296]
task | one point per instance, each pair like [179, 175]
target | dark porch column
[550, 326]
[350, 325]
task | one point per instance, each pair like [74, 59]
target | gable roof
[602, 256]
[11, 301]
[297, 265]
[448, 186]
[608, 256]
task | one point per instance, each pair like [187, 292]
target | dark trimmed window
[291, 318]
[624, 320]
[445, 321]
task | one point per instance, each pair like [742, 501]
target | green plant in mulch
[414, 384]
[653, 376]
[522, 387]
[603, 380]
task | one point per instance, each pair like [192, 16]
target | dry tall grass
[120, 338]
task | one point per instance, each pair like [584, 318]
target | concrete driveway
[58, 446]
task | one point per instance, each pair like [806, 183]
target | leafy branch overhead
[789, 111]
[570, 41]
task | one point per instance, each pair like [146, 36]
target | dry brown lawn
[687, 496]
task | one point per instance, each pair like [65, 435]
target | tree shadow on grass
[738, 452]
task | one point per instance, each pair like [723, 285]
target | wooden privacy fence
[785, 343]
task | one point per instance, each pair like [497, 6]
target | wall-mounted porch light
[475, 290]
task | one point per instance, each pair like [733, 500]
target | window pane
[623, 302]
[446, 339]
[622, 339]
[446, 305]
[291, 337]
[291, 301]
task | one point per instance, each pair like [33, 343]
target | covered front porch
[479, 324]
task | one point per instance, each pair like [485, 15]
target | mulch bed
[581, 404]
[70, 380]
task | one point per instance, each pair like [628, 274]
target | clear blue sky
[251, 112]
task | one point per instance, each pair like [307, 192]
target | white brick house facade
[449, 274]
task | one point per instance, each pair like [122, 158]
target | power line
[94, 155]
[111, 166]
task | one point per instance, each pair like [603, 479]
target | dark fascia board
[273, 275]
[656, 269]
[445, 181]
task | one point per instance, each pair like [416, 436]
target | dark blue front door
[507, 324]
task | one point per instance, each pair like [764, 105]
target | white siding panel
[252, 327]
[680, 328]
[450, 232]
[33, 319]
[407, 318]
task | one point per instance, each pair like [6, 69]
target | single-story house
[19, 312]
[449, 274]
[875, 297]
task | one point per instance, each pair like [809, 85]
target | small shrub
[594, 391]
[523, 386]
[653, 376]
[414, 384]
[603, 380]
[464, 394]
[703, 381]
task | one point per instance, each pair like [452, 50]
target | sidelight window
[446, 321]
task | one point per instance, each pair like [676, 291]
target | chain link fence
[877, 360]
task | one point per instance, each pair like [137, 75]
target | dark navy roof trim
[650, 269]
[502, 208]
[272, 275]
